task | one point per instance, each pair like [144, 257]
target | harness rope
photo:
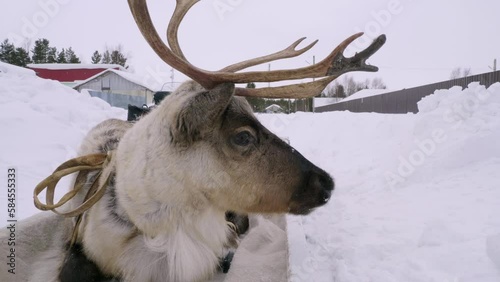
[83, 165]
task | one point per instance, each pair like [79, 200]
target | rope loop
[86, 164]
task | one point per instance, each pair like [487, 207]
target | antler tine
[294, 91]
[181, 9]
[141, 16]
[288, 52]
[340, 66]
[358, 61]
[321, 69]
[332, 65]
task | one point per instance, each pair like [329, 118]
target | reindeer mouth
[316, 191]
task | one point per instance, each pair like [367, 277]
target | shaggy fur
[174, 175]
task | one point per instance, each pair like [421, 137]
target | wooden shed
[118, 88]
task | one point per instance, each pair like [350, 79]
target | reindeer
[175, 173]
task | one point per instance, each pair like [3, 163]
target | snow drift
[42, 124]
[417, 196]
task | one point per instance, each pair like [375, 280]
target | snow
[75, 66]
[15, 70]
[274, 107]
[42, 124]
[417, 196]
[319, 102]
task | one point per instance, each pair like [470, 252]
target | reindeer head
[210, 145]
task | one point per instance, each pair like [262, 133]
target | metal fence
[405, 101]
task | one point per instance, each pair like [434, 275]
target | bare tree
[466, 72]
[350, 85]
[455, 73]
[458, 72]
[378, 83]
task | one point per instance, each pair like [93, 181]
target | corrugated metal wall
[405, 101]
[118, 100]
[112, 83]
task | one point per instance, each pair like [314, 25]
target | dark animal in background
[134, 112]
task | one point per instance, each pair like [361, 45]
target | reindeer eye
[243, 138]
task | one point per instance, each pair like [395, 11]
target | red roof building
[71, 74]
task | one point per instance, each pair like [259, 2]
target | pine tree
[12, 55]
[96, 57]
[106, 57]
[250, 85]
[114, 56]
[339, 91]
[7, 51]
[40, 51]
[71, 56]
[2, 50]
[118, 58]
[258, 104]
[22, 57]
[52, 55]
[61, 57]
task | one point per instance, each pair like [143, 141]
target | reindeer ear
[201, 112]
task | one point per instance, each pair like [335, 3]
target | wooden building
[118, 88]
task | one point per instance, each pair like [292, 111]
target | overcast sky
[425, 39]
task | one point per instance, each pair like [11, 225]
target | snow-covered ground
[417, 196]
[42, 123]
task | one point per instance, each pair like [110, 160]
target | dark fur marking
[112, 204]
[110, 132]
[110, 145]
[78, 268]
[225, 263]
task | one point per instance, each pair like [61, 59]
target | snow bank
[417, 196]
[15, 70]
[42, 124]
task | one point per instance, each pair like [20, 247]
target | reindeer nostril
[315, 191]
[325, 181]
[326, 196]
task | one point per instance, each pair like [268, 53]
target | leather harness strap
[83, 165]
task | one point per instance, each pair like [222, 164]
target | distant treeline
[43, 53]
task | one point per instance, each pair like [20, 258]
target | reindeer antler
[330, 68]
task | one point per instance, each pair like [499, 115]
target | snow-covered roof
[8, 68]
[126, 75]
[319, 102]
[75, 66]
[274, 107]
[366, 93]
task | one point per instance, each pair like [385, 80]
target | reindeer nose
[315, 192]
[322, 182]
